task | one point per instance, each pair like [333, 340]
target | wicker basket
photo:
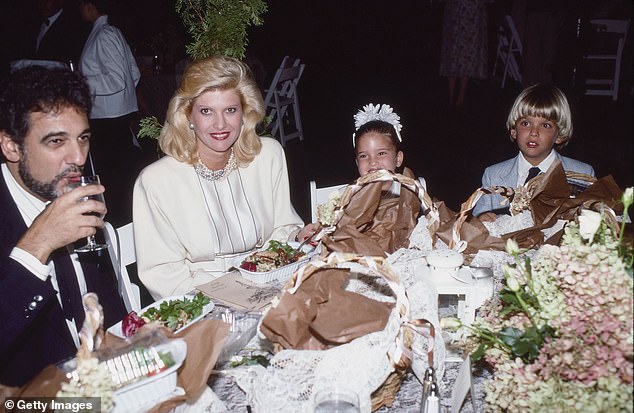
[373, 267]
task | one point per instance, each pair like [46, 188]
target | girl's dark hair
[381, 127]
[38, 89]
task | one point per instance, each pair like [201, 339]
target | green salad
[174, 314]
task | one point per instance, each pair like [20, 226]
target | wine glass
[92, 244]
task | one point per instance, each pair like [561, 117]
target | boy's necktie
[532, 173]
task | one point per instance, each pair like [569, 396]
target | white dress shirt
[523, 166]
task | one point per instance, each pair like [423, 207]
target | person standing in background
[62, 34]
[47, 33]
[112, 74]
[463, 53]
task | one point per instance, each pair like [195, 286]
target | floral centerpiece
[559, 333]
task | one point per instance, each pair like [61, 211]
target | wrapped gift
[554, 196]
[342, 320]
[376, 214]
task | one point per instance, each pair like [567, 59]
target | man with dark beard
[44, 140]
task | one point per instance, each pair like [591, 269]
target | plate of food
[276, 262]
[175, 312]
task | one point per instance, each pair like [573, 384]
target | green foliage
[219, 27]
[523, 344]
[149, 127]
[251, 361]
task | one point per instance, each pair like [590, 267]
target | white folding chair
[320, 196]
[282, 96]
[122, 253]
[601, 81]
[509, 51]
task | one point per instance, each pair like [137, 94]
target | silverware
[306, 241]
[229, 318]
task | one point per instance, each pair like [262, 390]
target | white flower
[512, 247]
[383, 113]
[513, 284]
[450, 323]
[326, 212]
[628, 197]
[589, 223]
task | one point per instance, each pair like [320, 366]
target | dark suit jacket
[64, 40]
[33, 330]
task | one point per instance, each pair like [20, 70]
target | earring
[191, 126]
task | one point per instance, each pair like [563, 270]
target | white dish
[281, 273]
[481, 272]
[463, 275]
[117, 331]
[278, 274]
[146, 392]
[445, 259]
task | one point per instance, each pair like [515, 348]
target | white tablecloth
[407, 401]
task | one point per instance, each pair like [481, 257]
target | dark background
[369, 51]
[357, 52]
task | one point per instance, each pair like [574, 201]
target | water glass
[336, 401]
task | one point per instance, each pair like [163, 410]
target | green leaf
[510, 335]
[251, 361]
[169, 313]
[479, 352]
[219, 27]
[509, 297]
[527, 349]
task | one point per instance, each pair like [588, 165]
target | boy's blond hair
[544, 101]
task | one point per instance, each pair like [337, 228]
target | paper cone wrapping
[374, 221]
[551, 201]
[205, 340]
[321, 314]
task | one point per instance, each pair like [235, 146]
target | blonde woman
[220, 191]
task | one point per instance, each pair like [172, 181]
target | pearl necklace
[210, 175]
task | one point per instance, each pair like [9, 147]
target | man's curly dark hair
[38, 89]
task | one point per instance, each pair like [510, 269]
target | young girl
[377, 141]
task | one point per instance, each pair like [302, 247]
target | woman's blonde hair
[214, 73]
[544, 101]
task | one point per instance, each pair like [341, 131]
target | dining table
[225, 394]
[408, 399]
